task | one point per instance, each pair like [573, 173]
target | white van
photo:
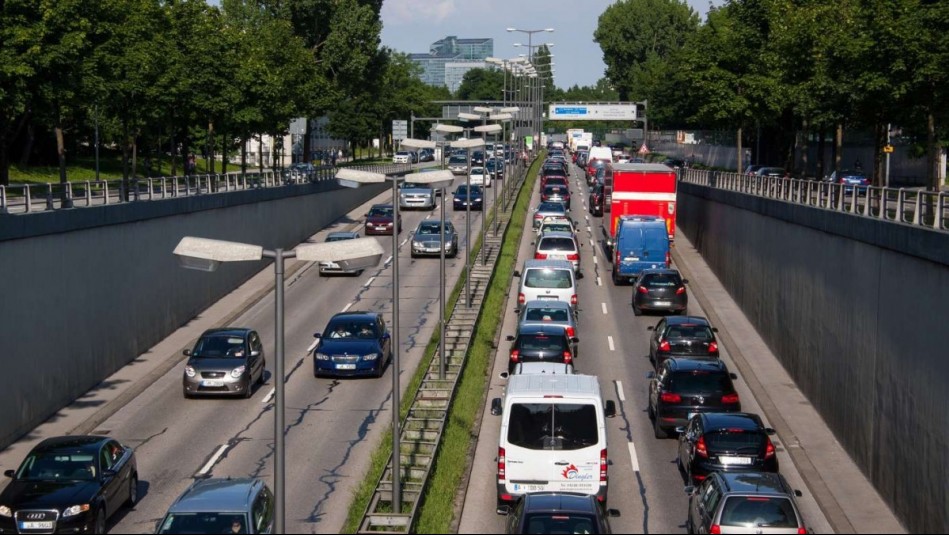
[553, 436]
[600, 153]
[547, 279]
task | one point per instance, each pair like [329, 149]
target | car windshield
[462, 190]
[758, 511]
[557, 227]
[701, 383]
[219, 346]
[58, 466]
[458, 160]
[656, 280]
[339, 238]
[348, 329]
[560, 523]
[690, 332]
[548, 278]
[414, 185]
[735, 440]
[556, 244]
[431, 229]
[547, 314]
[477, 170]
[552, 426]
[553, 207]
[380, 211]
[204, 523]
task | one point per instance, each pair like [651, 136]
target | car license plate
[211, 384]
[551, 297]
[663, 303]
[345, 366]
[36, 525]
[725, 459]
[557, 257]
[529, 488]
[631, 259]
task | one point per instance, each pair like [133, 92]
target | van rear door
[655, 245]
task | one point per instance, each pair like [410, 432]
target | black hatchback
[684, 387]
[682, 336]
[660, 290]
[556, 512]
[541, 343]
[725, 442]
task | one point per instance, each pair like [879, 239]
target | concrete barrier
[856, 309]
[85, 291]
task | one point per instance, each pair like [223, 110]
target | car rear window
[758, 511]
[557, 244]
[542, 342]
[548, 278]
[556, 227]
[738, 440]
[547, 314]
[554, 207]
[555, 190]
[552, 426]
[699, 382]
[661, 281]
[559, 523]
[690, 332]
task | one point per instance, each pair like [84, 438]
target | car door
[656, 338]
[708, 506]
[384, 339]
[693, 430]
[110, 479]
[262, 512]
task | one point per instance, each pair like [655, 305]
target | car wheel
[100, 521]
[616, 281]
[414, 255]
[133, 492]
[185, 393]
[637, 311]
[657, 429]
[249, 390]
[263, 372]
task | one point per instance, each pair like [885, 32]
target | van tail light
[540, 256]
[603, 464]
[713, 347]
[729, 399]
[573, 299]
[570, 332]
[502, 465]
[567, 357]
[665, 346]
[521, 299]
[681, 290]
[643, 290]
[669, 397]
[700, 448]
[515, 355]
[715, 529]
[668, 259]
[768, 449]
[573, 257]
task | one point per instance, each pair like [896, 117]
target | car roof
[381, 205]
[731, 420]
[80, 442]
[217, 495]
[355, 315]
[227, 331]
[680, 320]
[682, 364]
[557, 234]
[552, 329]
[550, 264]
[755, 483]
[559, 502]
[546, 303]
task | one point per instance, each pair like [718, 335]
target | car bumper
[432, 251]
[508, 493]
[410, 204]
[702, 468]
[226, 386]
[331, 369]
[672, 417]
[329, 270]
[463, 205]
[667, 304]
[373, 230]
[82, 523]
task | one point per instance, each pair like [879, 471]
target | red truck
[647, 189]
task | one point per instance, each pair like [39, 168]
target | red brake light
[540, 256]
[572, 257]
[567, 357]
[502, 465]
[669, 397]
[715, 529]
[681, 290]
[603, 465]
[700, 448]
[768, 449]
[802, 530]
[643, 290]
[730, 398]
[515, 355]
[713, 347]
[570, 332]
[665, 346]
[668, 259]
[573, 299]
[521, 299]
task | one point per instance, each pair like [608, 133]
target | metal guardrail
[927, 209]
[50, 196]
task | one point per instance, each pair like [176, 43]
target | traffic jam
[553, 467]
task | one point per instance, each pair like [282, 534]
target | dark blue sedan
[461, 198]
[850, 179]
[353, 344]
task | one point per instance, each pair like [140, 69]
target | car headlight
[370, 356]
[75, 510]
[5, 511]
[189, 371]
[321, 356]
[417, 244]
[389, 224]
[237, 372]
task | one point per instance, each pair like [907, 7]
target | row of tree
[170, 77]
[796, 69]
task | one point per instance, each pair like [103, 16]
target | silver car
[558, 246]
[228, 361]
[426, 241]
[548, 312]
[547, 279]
[744, 502]
[546, 209]
[458, 164]
[333, 267]
[414, 195]
[216, 505]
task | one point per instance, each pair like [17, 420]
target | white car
[402, 157]
[479, 177]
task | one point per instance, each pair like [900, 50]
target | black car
[682, 336]
[684, 387]
[596, 199]
[558, 512]
[353, 344]
[460, 198]
[495, 168]
[541, 343]
[661, 290]
[725, 442]
[227, 361]
[556, 193]
[69, 484]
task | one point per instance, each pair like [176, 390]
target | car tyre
[657, 429]
[263, 372]
[100, 520]
[133, 492]
[184, 391]
[637, 311]
[249, 391]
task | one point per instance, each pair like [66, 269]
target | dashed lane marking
[599, 282]
[214, 459]
[269, 396]
[610, 340]
[619, 391]
[633, 458]
[347, 307]
[604, 307]
[369, 282]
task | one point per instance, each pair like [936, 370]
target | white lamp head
[360, 253]
[205, 254]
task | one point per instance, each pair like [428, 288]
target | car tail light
[681, 290]
[515, 355]
[502, 465]
[713, 347]
[521, 299]
[802, 530]
[540, 256]
[715, 529]
[700, 448]
[573, 299]
[572, 257]
[768, 449]
[730, 399]
[643, 290]
[665, 346]
[668, 259]
[567, 357]
[669, 397]
[603, 465]
[570, 332]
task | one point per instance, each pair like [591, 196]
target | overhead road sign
[400, 130]
[614, 111]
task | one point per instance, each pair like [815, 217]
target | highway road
[645, 484]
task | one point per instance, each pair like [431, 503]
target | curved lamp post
[485, 130]
[204, 254]
[352, 178]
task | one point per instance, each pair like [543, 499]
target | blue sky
[412, 25]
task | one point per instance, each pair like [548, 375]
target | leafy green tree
[16, 74]
[481, 84]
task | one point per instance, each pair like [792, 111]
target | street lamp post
[530, 33]
[206, 255]
[468, 144]
[352, 178]
[485, 130]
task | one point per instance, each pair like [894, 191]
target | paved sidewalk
[844, 494]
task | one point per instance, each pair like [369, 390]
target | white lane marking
[599, 282]
[312, 346]
[592, 243]
[590, 230]
[595, 261]
[633, 458]
[369, 282]
[619, 390]
[586, 216]
[387, 261]
[345, 308]
[610, 340]
[604, 307]
[428, 216]
[269, 396]
[403, 242]
[214, 459]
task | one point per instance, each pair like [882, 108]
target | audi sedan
[69, 484]
[227, 361]
[427, 240]
[353, 344]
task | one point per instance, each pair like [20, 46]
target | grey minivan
[221, 506]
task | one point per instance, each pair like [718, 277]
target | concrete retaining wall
[857, 310]
[83, 292]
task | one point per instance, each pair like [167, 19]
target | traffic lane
[216, 421]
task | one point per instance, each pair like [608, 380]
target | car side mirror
[317, 335]
[733, 376]
[186, 352]
[386, 336]
[255, 353]
[650, 328]
[10, 473]
[517, 273]
[769, 431]
[714, 329]
[504, 510]
[574, 340]
[680, 429]
[798, 493]
[613, 513]
[509, 338]
[685, 281]
[496, 408]
[610, 410]
[650, 375]
[689, 489]
[108, 474]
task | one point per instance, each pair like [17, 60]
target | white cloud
[409, 11]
